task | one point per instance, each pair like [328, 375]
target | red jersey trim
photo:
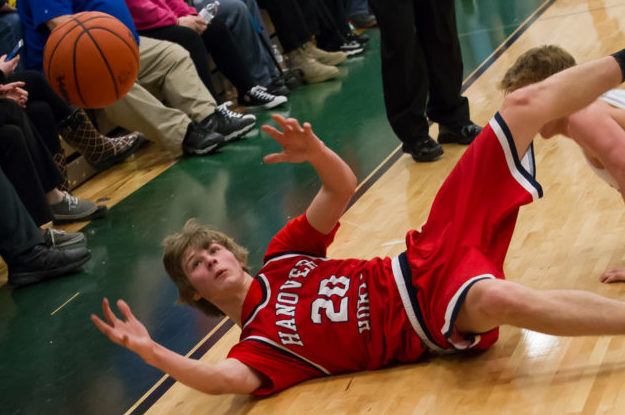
[286, 351]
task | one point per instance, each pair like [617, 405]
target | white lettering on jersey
[285, 310]
[302, 268]
[290, 338]
[288, 298]
[362, 308]
[286, 302]
[287, 324]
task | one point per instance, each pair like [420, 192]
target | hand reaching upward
[299, 143]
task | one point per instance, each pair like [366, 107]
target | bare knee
[491, 303]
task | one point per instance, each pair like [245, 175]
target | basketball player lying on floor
[446, 291]
[599, 128]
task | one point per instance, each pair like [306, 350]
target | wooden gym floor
[53, 361]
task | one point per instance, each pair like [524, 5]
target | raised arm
[338, 182]
[528, 109]
[227, 376]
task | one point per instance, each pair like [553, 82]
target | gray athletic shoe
[72, 209]
[55, 238]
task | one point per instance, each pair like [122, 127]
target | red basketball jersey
[307, 315]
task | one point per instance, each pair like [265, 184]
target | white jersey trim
[527, 163]
[287, 351]
[291, 255]
[454, 307]
[615, 97]
[405, 299]
[265, 282]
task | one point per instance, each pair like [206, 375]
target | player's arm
[227, 376]
[55, 21]
[338, 182]
[528, 109]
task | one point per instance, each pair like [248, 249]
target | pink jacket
[151, 14]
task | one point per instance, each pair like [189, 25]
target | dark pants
[44, 107]
[18, 232]
[327, 21]
[216, 41]
[421, 65]
[290, 22]
[26, 161]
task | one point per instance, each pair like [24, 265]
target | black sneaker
[352, 48]
[40, 263]
[463, 134]
[278, 87]
[198, 141]
[230, 124]
[361, 38]
[258, 98]
[424, 150]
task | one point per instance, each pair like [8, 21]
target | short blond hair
[195, 235]
[535, 65]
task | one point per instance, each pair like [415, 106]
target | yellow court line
[63, 305]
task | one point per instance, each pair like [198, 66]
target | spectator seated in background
[51, 115]
[359, 14]
[292, 29]
[176, 21]
[245, 22]
[190, 118]
[328, 22]
[32, 257]
[27, 163]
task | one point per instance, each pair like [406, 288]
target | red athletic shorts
[466, 236]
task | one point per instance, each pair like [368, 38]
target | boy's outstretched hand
[299, 143]
[129, 333]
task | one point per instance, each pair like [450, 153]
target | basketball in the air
[91, 60]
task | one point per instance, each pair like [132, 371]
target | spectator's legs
[258, 21]
[234, 15]
[41, 116]
[225, 51]
[39, 90]
[167, 71]
[139, 110]
[26, 161]
[18, 232]
[289, 21]
[191, 41]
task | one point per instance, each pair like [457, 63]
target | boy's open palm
[129, 333]
[299, 143]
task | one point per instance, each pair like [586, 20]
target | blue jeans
[356, 7]
[240, 16]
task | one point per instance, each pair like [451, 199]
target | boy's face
[214, 272]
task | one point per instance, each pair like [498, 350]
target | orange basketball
[91, 60]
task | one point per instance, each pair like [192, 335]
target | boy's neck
[233, 308]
